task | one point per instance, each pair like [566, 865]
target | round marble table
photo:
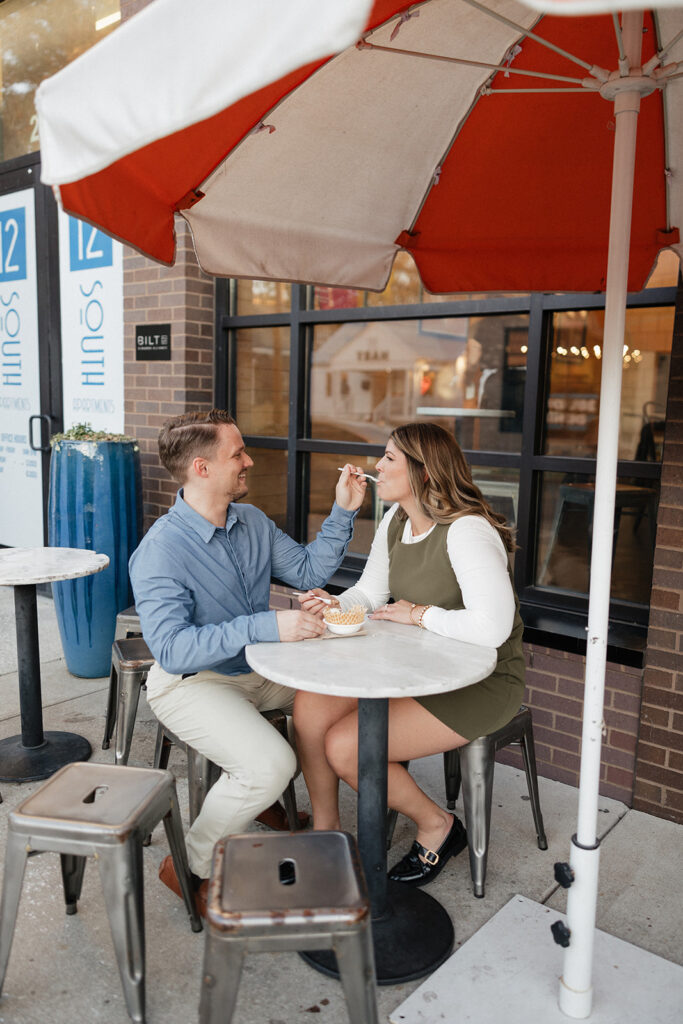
[36, 754]
[412, 932]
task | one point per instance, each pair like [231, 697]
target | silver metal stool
[131, 661]
[474, 765]
[287, 892]
[202, 773]
[127, 624]
[88, 809]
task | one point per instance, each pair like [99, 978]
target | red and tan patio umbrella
[312, 141]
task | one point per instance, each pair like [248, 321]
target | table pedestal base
[29, 764]
[411, 939]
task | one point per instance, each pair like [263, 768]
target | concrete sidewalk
[62, 969]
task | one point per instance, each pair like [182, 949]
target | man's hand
[293, 625]
[312, 601]
[351, 488]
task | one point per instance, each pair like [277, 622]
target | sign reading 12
[13, 244]
[89, 248]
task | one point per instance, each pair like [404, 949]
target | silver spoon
[368, 476]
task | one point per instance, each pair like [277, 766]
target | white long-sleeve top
[480, 563]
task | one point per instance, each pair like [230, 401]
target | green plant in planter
[95, 502]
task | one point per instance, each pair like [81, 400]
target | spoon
[368, 476]
[325, 600]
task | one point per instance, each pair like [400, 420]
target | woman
[441, 553]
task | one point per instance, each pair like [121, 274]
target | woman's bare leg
[413, 732]
[314, 714]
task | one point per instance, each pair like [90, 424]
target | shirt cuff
[265, 628]
[342, 515]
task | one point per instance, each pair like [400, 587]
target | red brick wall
[659, 767]
[184, 297]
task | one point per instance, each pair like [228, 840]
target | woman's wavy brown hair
[448, 491]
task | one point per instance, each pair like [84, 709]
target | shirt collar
[196, 521]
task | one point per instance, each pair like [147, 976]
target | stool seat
[104, 805]
[89, 809]
[270, 893]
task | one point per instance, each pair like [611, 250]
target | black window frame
[552, 617]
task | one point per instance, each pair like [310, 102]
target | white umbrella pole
[576, 990]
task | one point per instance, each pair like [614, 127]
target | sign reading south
[88, 247]
[13, 244]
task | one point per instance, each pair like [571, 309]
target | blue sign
[88, 247]
[13, 245]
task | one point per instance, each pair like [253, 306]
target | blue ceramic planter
[95, 503]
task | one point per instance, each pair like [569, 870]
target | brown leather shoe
[167, 875]
[275, 817]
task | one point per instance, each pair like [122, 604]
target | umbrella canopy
[474, 135]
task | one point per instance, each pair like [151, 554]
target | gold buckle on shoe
[431, 858]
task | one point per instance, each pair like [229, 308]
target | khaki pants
[220, 717]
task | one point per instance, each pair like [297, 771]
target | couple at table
[201, 579]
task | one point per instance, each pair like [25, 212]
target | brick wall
[659, 767]
[184, 297]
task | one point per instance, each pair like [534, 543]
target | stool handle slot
[96, 794]
[287, 871]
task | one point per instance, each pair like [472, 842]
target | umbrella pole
[576, 990]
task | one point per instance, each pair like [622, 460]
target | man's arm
[166, 608]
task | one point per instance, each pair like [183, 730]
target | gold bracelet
[425, 608]
[413, 606]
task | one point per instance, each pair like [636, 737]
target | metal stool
[202, 773]
[131, 661]
[98, 810]
[287, 892]
[474, 765]
[127, 624]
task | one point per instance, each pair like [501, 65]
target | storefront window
[37, 38]
[267, 480]
[564, 535]
[263, 381]
[256, 297]
[465, 372]
[573, 402]
[323, 476]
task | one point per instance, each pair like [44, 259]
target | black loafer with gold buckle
[412, 870]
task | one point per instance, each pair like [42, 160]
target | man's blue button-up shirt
[202, 591]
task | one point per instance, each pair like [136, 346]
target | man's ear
[198, 467]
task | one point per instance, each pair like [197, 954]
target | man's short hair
[183, 438]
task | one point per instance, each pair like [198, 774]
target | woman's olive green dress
[423, 573]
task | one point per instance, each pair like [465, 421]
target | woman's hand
[400, 611]
[310, 601]
[351, 488]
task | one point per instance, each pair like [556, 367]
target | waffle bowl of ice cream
[343, 623]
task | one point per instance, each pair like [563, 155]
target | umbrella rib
[475, 64]
[507, 92]
[529, 34]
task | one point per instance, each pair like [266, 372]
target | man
[201, 578]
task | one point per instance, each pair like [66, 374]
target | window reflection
[323, 478]
[267, 480]
[37, 38]
[466, 372]
[500, 487]
[565, 529]
[263, 381]
[255, 297]
[573, 402]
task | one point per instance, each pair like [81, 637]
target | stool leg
[529, 755]
[289, 800]
[112, 701]
[73, 868]
[477, 764]
[201, 775]
[162, 748]
[452, 776]
[174, 834]
[15, 863]
[356, 962]
[220, 980]
[392, 817]
[129, 695]
[121, 874]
